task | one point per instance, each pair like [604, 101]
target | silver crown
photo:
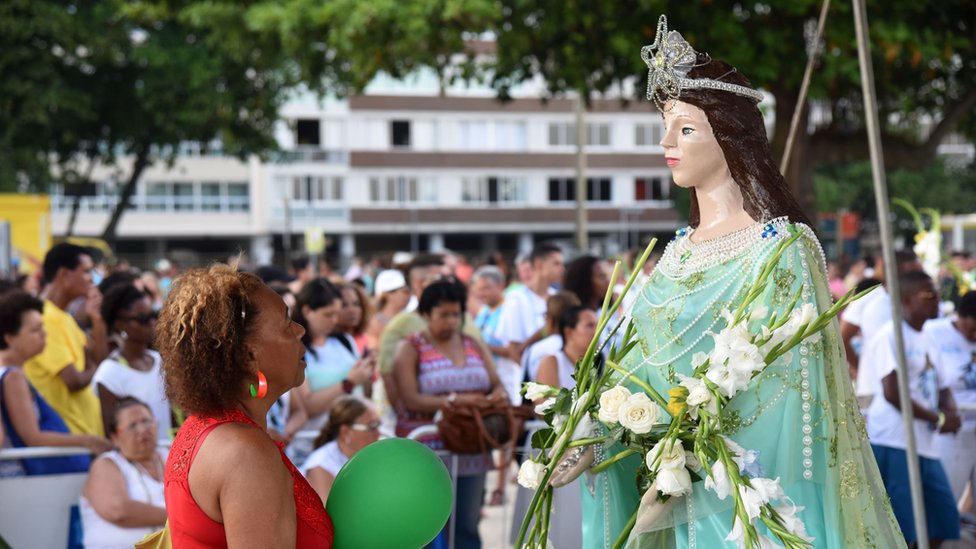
[669, 59]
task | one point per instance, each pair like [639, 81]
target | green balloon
[395, 493]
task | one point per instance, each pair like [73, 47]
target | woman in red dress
[229, 351]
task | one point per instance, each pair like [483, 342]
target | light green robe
[800, 414]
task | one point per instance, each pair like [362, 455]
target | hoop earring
[262, 388]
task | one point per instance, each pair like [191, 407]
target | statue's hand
[574, 463]
[651, 512]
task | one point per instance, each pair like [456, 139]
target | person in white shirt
[932, 406]
[353, 425]
[132, 370]
[954, 342]
[863, 317]
[524, 313]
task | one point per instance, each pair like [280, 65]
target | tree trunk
[141, 161]
[799, 173]
[75, 204]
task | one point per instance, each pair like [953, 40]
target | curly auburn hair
[201, 336]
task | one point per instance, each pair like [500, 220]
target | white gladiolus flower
[692, 462]
[698, 359]
[535, 391]
[673, 482]
[698, 395]
[768, 490]
[745, 357]
[530, 474]
[759, 312]
[545, 406]
[738, 533]
[639, 414]
[610, 401]
[728, 380]
[928, 247]
[672, 456]
[765, 542]
[752, 501]
[718, 481]
[792, 523]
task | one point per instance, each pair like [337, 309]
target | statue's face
[690, 148]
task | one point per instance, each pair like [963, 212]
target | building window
[210, 196]
[598, 189]
[474, 135]
[510, 136]
[309, 188]
[650, 188]
[493, 190]
[307, 132]
[238, 197]
[402, 190]
[183, 196]
[562, 134]
[156, 196]
[400, 133]
[598, 134]
[563, 189]
[649, 134]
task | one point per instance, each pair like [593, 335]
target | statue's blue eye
[686, 131]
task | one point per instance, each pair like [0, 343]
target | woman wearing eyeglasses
[132, 369]
[123, 498]
[353, 425]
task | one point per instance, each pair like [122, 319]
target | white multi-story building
[402, 167]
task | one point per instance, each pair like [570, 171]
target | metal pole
[891, 269]
[813, 51]
[582, 233]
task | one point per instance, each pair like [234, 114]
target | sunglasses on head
[143, 319]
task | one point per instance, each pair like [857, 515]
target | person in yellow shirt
[62, 373]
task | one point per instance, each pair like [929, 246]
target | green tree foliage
[950, 190]
[99, 82]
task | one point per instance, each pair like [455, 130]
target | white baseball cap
[388, 281]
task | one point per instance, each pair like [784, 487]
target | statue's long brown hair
[738, 127]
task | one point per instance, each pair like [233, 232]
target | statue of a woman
[799, 416]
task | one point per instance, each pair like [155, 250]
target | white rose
[610, 401]
[530, 474]
[672, 456]
[638, 413]
[673, 482]
[718, 481]
[698, 392]
[545, 406]
[534, 391]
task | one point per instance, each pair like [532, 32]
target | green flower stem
[547, 515]
[642, 384]
[625, 533]
[606, 464]
[587, 441]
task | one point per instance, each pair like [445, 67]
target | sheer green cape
[800, 415]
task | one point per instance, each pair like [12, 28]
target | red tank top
[191, 528]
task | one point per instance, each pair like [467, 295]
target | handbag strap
[483, 433]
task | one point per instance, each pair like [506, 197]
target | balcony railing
[156, 204]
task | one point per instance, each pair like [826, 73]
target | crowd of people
[224, 363]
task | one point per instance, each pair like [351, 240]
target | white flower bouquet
[681, 438]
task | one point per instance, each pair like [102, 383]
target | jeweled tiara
[669, 59]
